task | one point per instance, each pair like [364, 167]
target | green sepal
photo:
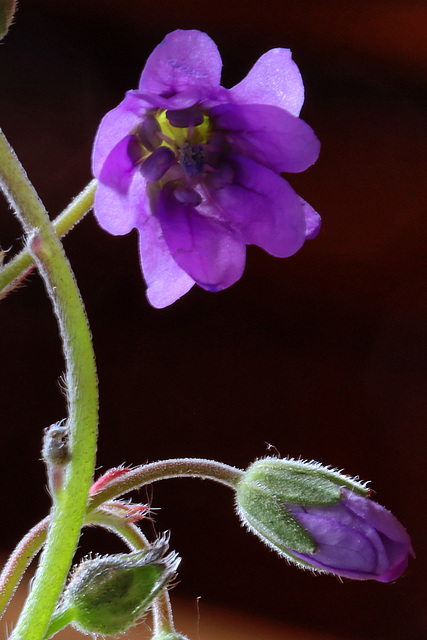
[266, 515]
[297, 482]
[107, 595]
[271, 485]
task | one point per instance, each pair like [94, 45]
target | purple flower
[196, 167]
[355, 538]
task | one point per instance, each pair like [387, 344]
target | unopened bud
[55, 445]
[56, 455]
[109, 594]
[321, 519]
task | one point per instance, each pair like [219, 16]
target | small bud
[56, 455]
[108, 595]
[107, 478]
[322, 520]
[55, 445]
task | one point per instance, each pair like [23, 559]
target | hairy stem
[164, 470]
[19, 560]
[82, 398]
[60, 619]
[15, 271]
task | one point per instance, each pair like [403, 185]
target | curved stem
[164, 470]
[127, 531]
[15, 271]
[82, 397]
[19, 560]
[33, 541]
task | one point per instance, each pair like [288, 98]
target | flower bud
[322, 520]
[109, 594]
[56, 455]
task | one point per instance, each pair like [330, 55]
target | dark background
[322, 355]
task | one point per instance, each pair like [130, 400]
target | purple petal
[341, 549]
[118, 168]
[313, 221]
[118, 212]
[184, 59]
[274, 79]
[262, 206]
[207, 249]
[394, 572]
[181, 100]
[166, 281]
[377, 516]
[271, 136]
[115, 125]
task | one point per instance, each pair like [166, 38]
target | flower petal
[207, 249]
[166, 281]
[184, 59]
[118, 168]
[271, 136]
[115, 125]
[377, 516]
[274, 79]
[262, 206]
[118, 212]
[181, 100]
[341, 548]
[313, 220]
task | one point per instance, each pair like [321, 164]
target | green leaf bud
[270, 485]
[107, 595]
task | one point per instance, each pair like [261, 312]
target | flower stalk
[15, 271]
[164, 470]
[81, 388]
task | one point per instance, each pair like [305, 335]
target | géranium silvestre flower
[322, 520]
[195, 167]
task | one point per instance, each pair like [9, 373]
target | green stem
[60, 619]
[33, 541]
[162, 614]
[19, 560]
[127, 531]
[82, 397]
[15, 271]
[164, 470]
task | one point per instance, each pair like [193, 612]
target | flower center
[171, 145]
